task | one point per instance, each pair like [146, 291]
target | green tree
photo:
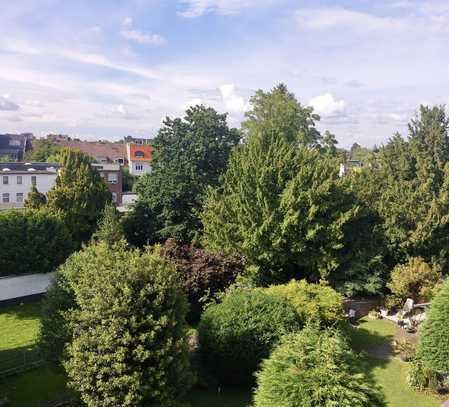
[191, 154]
[278, 111]
[314, 368]
[128, 344]
[35, 199]
[416, 280]
[283, 208]
[434, 338]
[79, 195]
[43, 151]
[110, 229]
[32, 242]
[236, 334]
[407, 187]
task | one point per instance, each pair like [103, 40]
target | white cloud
[191, 102]
[327, 106]
[7, 105]
[327, 18]
[196, 8]
[143, 38]
[231, 99]
[127, 21]
[123, 112]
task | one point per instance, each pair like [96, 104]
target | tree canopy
[79, 195]
[190, 154]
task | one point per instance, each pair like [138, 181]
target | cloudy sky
[109, 68]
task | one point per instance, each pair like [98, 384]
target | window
[19, 197]
[112, 178]
[33, 179]
[139, 167]
[139, 154]
[5, 198]
[19, 180]
[114, 197]
[5, 180]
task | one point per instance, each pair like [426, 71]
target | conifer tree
[110, 229]
[79, 195]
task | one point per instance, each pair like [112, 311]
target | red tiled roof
[144, 152]
[96, 149]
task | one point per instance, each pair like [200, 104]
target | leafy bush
[416, 279]
[202, 273]
[421, 376]
[123, 316]
[314, 368]
[32, 242]
[238, 333]
[311, 301]
[434, 339]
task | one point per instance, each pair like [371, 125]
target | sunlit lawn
[20, 328]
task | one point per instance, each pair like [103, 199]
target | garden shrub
[421, 377]
[128, 343]
[202, 273]
[314, 368]
[434, 339]
[415, 279]
[311, 301]
[236, 334]
[32, 241]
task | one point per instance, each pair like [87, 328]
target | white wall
[44, 182]
[146, 167]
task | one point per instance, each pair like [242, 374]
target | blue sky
[109, 68]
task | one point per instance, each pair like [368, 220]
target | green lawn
[21, 325]
[391, 374]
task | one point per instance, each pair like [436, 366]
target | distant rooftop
[26, 167]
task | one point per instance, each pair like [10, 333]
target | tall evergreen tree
[191, 154]
[79, 194]
[407, 186]
[281, 207]
[110, 229]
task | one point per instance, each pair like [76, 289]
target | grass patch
[390, 374]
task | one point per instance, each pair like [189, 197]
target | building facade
[139, 158]
[112, 175]
[16, 180]
[14, 146]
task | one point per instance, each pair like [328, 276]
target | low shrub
[203, 274]
[311, 301]
[314, 368]
[415, 279]
[421, 377]
[236, 334]
[32, 241]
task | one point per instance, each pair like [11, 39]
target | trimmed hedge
[238, 333]
[32, 242]
[314, 368]
[434, 339]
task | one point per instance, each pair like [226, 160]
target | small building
[112, 174]
[14, 146]
[139, 158]
[16, 180]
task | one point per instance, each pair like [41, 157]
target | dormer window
[139, 154]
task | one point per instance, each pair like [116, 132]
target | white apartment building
[16, 180]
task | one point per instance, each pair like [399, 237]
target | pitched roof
[94, 149]
[140, 152]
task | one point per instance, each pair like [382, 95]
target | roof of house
[28, 167]
[95, 149]
[140, 152]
